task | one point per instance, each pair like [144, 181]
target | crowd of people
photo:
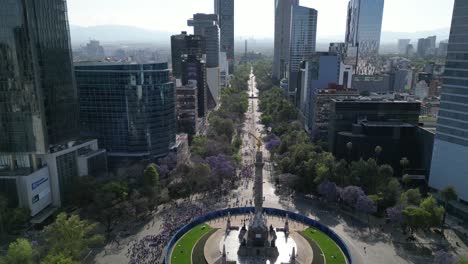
[151, 248]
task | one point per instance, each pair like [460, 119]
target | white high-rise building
[450, 155]
[282, 35]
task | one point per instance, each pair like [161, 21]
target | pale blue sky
[254, 17]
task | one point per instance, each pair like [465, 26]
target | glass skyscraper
[38, 97]
[282, 35]
[363, 30]
[450, 156]
[130, 108]
[225, 11]
[302, 42]
[206, 25]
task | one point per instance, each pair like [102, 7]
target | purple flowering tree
[221, 166]
[272, 143]
[365, 205]
[443, 257]
[328, 190]
[350, 194]
[395, 213]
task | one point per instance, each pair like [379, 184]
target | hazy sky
[254, 17]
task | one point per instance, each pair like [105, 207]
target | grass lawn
[333, 254]
[182, 252]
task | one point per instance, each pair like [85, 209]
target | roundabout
[206, 237]
[256, 235]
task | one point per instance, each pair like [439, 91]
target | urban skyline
[399, 15]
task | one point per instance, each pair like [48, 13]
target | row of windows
[461, 82]
[456, 98]
[452, 139]
[455, 90]
[453, 115]
[453, 123]
[456, 73]
[453, 106]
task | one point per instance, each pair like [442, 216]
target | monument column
[258, 192]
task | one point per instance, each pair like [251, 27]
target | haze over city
[234, 131]
[257, 15]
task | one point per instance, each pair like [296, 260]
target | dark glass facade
[206, 25]
[184, 44]
[193, 70]
[344, 113]
[225, 11]
[129, 108]
[38, 98]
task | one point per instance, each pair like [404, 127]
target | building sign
[38, 183]
[40, 195]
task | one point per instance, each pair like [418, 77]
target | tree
[391, 192]
[435, 212]
[58, 259]
[411, 197]
[377, 150]
[415, 217]
[351, 194]
[342, 172]
[443, 257]
[395, 214]
[151, 176]
[406, 179]
[328, 190]
[448, 194]
[365, 205]
[221, 166]
[349, 147]
[19, 252]
[70, 236]
[404, 163]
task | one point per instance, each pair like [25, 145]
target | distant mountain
[117, 33]
[128, 34]
[390, 37]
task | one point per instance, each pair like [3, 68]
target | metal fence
[269, 211]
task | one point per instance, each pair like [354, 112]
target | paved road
[378, 249]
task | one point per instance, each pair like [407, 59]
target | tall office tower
[363, 29]
[302, 43]
[282, 35]
[93, 50]
[130, 108]
[39, 124]
[449, 161]
[225, 11]
[194, 71]
[402, 45]
[206, 25]
[427, 46]
[182, 45]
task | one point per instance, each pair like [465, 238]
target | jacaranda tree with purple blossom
[395, 213]
[443, 257]
[272, 143]
[328, 190]
[365, 205]
[350, 194]
[221, 166]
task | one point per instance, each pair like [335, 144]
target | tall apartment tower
[363, 30]
[450, 156]
[282, 36]
[40, 150]
[225, 11]
[302, 43]
[206, 25]
[183, 45]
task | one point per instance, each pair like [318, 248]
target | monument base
[267, 252]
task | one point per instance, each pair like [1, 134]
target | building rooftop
[363, 99]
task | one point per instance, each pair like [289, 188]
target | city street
[383, 245]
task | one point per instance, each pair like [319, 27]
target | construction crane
[259, 142]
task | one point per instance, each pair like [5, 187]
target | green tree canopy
[70, 236]
[19, 252]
